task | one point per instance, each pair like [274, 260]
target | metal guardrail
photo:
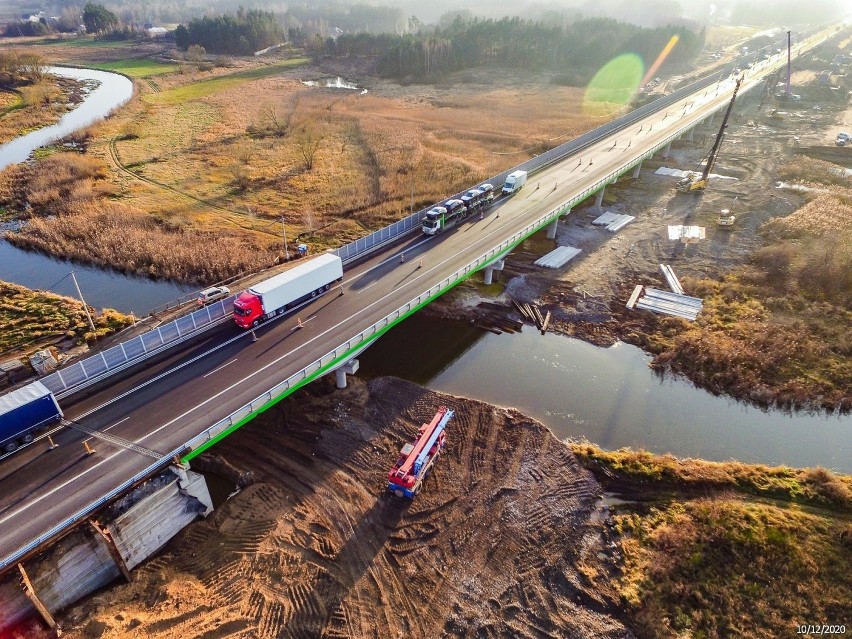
[91, 370]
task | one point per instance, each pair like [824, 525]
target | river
[101, 288]
[112, 91]
[608, 395]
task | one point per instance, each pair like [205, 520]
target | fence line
[91, 370]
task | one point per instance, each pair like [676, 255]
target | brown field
[496, 545]
[227, 152]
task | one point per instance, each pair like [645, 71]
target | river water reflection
[102, 288]
[112, 91]
[608, 395]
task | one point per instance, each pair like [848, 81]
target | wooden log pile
[533, 314]
[494, 318]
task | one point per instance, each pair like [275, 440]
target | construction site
[314, 545]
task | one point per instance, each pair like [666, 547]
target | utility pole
[85, 307]
[789, 65]
[286, 250]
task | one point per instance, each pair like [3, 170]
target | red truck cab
[248, 310]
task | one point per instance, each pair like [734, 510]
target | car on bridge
[212, 294]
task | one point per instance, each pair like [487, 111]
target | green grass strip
[204, 88]
[341, 358]
[136, 67]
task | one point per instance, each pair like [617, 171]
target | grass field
[207, 87]
[222, 151]
[32, 107]
[36, 318]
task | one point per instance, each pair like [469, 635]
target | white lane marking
[369, 285]
[116, 424]
[216, 370]
[162, 375]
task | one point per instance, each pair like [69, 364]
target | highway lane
[160, 409]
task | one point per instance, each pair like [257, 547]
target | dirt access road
[495, 546]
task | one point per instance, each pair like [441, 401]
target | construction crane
[415, 460]
[695, 182]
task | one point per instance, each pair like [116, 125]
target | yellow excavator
[698, 181]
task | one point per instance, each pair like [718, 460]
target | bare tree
[308, 138]
[277, 122]
[196, 54]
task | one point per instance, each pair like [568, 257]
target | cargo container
[25, 411]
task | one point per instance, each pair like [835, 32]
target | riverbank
[777, 287]
[719, 550]
[34, 320]
[31, 107]
[510, 536]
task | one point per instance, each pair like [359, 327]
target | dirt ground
[496, 545]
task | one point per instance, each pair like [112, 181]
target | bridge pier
[637, 169]
[489, 270]
[551, 228]
[666, 150]
[709, 120]
[350, 367]
[599, 197]
[90, 557]
[690, 134]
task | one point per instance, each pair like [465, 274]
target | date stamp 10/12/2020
[820, 629]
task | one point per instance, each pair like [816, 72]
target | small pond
[334, 83]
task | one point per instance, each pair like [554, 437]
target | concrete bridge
[156, 417]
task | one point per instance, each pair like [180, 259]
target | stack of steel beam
[667, 303]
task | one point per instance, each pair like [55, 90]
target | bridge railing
[340, 355]
[332, 359]
[91, 370]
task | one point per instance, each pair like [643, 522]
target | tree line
[575, 50]
[239, 34]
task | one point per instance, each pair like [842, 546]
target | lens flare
[614, 85]
[660, 58]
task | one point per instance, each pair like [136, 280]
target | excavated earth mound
[496, 545]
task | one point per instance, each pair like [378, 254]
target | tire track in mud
[315, 547]
[235, 218]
